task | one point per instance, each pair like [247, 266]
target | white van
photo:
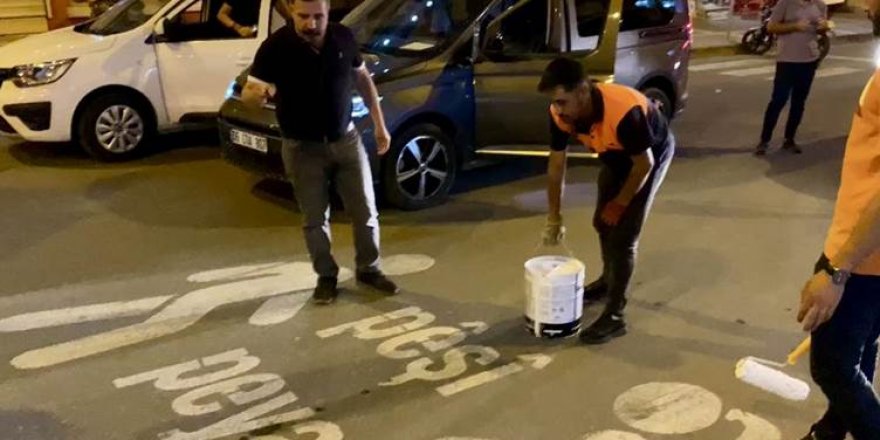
[111, 83]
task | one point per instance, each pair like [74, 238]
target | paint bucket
[554, 296]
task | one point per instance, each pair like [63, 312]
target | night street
[167, 298]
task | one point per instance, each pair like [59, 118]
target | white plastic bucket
[554, 296]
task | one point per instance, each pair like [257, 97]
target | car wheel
[420, 168]
[659, 98]
[115, 127]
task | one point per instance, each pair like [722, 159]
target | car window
[198, 20]
[591, 16]
[521, 29]
[641, 14]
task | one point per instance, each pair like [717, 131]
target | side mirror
[164, 32]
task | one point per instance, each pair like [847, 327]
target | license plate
[248, 140]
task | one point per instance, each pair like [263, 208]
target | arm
[367, 89]
[864, 240]
[255, 93]
[224, 18]
[643, 163]
[777, 23]
[555, 184]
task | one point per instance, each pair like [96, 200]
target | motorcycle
[759, 40]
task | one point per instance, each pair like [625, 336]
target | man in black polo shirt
[310, 70]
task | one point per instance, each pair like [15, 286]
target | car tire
[115, 127]
[419, 169]
[660, 97]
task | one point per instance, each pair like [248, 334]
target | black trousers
[620, 243]
[793, 81]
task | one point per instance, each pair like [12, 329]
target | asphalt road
[166, 298]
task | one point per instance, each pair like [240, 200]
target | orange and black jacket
[624, 124]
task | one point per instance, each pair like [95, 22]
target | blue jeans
[842, 362]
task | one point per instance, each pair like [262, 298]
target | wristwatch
[838, 276]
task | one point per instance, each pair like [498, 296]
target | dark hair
[564, 72]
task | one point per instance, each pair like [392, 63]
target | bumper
[35, 113]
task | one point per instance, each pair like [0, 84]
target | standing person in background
[797, 24]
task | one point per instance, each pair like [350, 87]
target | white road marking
[725, 65]
[835, 71]
[405, 264]
[242, 283]
[750, 72]
[613, 435]
[868, 60]
[280, 309]
[668, 408]
[756, 428]
[76, 315]
[536, 361]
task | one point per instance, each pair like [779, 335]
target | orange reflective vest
[618, 101]
[860, 179]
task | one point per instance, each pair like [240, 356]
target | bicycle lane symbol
[284, 286]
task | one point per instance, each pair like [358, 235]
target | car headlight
[38, 74]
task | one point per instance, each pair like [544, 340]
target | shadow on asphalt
[171, 148]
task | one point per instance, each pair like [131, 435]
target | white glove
[554, 232]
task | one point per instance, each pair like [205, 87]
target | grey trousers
[311, 167]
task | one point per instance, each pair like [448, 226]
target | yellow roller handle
[799, 351]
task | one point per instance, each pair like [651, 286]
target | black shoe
[761, 149]
[792, 146]
[378, 281]
[606, 328]
[595, 291]
[817, 434]
[326, 291]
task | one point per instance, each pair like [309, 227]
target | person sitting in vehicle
[240, 16]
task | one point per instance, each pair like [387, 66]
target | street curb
[736, 49]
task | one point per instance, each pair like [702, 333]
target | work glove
[554, 232]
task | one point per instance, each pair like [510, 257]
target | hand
[383, 140]
[612, 212]
[554, 232]
[244, 31]
[803, 25]
[819, 300]
[823, 25]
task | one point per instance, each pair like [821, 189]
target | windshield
[411, 27]
[124, 16]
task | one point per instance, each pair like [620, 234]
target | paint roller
[762, 374]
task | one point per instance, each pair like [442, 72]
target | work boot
[326, 291]
[595, 291]
[378, 281]
[761, 149]
[791, 146]
[606, 328]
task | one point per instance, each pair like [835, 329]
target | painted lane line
[868, 60]
[750, 72]
[77, 315]
[537, 362]
[755, 427]
[724, 65]
[668, 408]
[835, 71]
